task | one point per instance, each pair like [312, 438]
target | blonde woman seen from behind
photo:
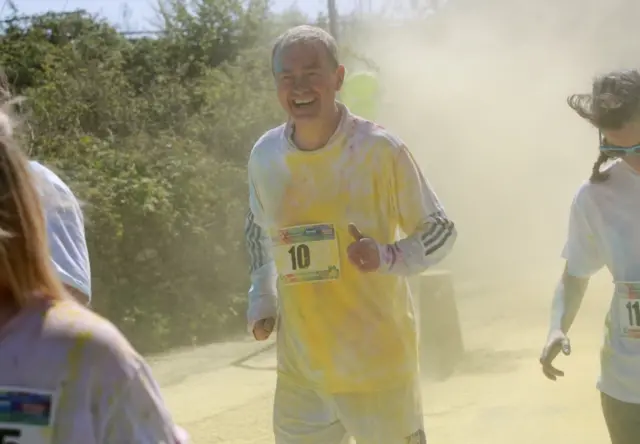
[63, 217]
[67, 376]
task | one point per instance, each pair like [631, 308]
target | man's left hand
[363, 251]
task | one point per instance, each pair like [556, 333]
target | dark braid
[597, 175]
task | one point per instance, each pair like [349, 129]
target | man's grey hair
[306, 34]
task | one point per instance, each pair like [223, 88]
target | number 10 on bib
[306, 254]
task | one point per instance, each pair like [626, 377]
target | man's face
[306, 81]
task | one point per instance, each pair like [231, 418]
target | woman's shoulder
[615, 173]
[95, 340]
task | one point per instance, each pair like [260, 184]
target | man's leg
[623, 420]
[384, 417]
[303, 416]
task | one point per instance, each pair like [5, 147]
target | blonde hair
[25, 265]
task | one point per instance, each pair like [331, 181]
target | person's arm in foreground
[432, 233]
[263, 302]
[583, 259]
[138, 415]
[68, 245]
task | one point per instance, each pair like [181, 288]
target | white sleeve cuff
[261, 307]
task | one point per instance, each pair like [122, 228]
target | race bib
[628, 303]
[26, 416]
[307, 253]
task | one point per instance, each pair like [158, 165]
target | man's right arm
[263, 302]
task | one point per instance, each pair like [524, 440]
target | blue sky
[142, 11]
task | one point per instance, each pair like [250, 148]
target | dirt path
[498, 395]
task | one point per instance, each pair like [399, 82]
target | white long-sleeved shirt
[65, 230]
[340, 328]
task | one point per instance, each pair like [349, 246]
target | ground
[497, 395]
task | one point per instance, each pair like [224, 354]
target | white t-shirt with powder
[68, 376]
[604, 230]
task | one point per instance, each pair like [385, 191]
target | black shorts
[623, 420]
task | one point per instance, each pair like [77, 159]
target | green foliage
[153, 135]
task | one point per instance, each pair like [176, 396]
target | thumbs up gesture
[363, 251]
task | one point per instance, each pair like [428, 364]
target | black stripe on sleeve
[253, 235]
[440, 230]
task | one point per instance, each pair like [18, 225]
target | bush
[153, 135]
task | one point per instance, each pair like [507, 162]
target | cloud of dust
[478, 94]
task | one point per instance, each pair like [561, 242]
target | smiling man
[329, 192]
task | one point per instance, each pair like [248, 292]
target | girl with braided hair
[604, 230]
